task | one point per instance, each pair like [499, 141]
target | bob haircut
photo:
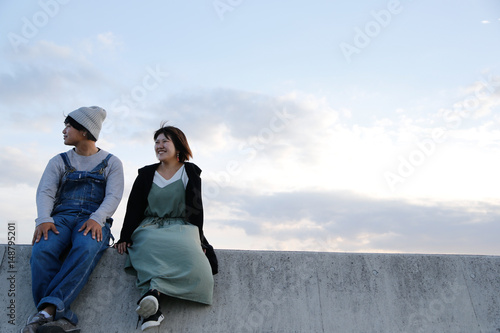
[178, 139]
[76, 125]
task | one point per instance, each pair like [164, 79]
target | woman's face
[165, 149]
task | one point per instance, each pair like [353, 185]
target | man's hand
[43, 230]
[94, 227]
[122, 247]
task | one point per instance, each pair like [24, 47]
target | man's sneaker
[153, 320]
[59, 326]
[148, 304]
[34, 322]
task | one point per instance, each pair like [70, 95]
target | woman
[78, 193]
[163, 230]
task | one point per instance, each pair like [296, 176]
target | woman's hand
[93, 227]
[122, 247]
[43, 230]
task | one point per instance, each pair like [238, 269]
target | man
[78, 193]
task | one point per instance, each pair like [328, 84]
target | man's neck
[86, 148]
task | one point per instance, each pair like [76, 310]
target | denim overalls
[55, 281]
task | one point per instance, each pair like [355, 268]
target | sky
[338, 126]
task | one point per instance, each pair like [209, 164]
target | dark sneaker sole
[55, 329]
[152, 323]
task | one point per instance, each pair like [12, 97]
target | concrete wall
[286, 292]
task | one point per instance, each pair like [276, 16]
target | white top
[162, 182]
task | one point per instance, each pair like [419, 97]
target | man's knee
[42, 248]
[89, 248]
[51, 248]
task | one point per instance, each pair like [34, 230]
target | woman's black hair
[76, 125]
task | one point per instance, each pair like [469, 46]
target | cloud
[288, 172]
[108, 40]
[17, 168]
[49, 74]
[298, 142]
[345, 221]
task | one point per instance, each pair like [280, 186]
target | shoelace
[138, 320]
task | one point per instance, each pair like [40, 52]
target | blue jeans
[58, 282]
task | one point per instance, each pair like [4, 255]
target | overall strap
[67, 164]
[101, 166]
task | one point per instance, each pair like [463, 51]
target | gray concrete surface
[287, 292]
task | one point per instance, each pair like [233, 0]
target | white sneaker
[148, 306]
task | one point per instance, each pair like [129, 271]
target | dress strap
[184, 176]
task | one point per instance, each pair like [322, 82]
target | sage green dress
[166, 253]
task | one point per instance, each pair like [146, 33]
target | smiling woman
[170, 145]
[163, 230]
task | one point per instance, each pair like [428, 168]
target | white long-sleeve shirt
[52, 177]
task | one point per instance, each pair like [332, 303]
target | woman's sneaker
[153, 320]
[148, 304]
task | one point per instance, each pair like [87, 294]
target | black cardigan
[138, 202]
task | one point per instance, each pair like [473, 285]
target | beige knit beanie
[90, 117]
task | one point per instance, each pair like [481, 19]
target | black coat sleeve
[194, 204]
[194, 211]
